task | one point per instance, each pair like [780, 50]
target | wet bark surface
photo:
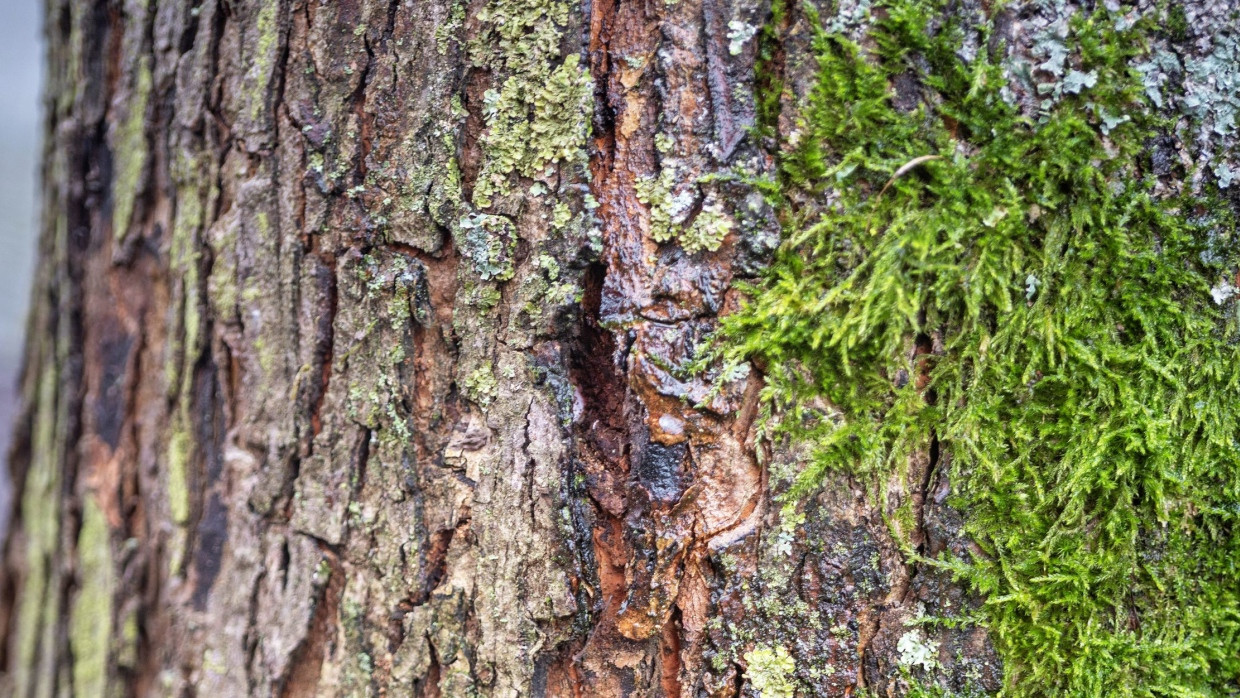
[342, 381]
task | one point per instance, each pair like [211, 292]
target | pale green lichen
[484, 297]
[917, 651]
[489, 242]
[90, 620]
[262, 60]
[180, 450]
[480, 385]
[770, 671]
[668, 212]
[130, 152]
[543, 293]
[222, 282]
[739, 33]
[561, 215]
[708, 229]
[671, 205]
[450, 29]
[538, 115]
[656, 192]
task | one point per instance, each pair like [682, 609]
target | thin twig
[903, 170]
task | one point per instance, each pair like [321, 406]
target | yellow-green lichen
[770, 671]
[180, 451]
[538, 115]
[90, 618]
[261, 61]
[184, 345]
[129, 150]
[41, 513]
[183, 260]
[480, 385]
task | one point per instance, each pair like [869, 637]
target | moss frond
[1086, 372]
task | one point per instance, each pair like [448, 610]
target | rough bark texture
[353, 367]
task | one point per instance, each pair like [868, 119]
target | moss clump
[1082, 374]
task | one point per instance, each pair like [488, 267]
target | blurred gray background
[21, 78]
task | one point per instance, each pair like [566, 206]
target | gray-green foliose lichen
[538, 115]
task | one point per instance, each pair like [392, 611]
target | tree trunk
[356, 366]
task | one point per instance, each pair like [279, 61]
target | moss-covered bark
[366, 348]
[1011, 240]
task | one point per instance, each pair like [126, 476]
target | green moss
[1177, 22]
[130, 153]
[1085, 376]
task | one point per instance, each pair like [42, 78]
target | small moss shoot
[1085, 371]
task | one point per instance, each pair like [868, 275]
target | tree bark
[354, 366]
